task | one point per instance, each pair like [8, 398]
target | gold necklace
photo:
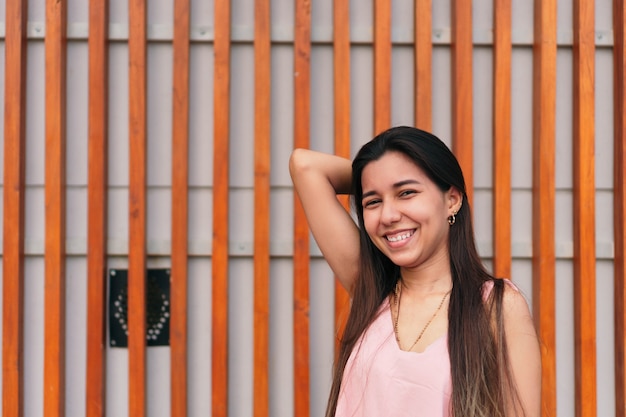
[397, 294]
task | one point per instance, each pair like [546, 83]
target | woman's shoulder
[507, 286]
[514, 303]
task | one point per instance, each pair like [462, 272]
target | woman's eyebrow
[368, 194]
[405, 182]
[395, 185]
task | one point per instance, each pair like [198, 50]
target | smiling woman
[404, 211]
[428, 324]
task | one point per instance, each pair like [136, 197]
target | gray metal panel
[240, 337]
[322, 99]
[159, 115]
[75, 335]
[35, 103]
[242, 117]
[281, 351]
[33, 335]
[118, 115]
[605, 337]
[564, 319]
[402, 86]
[361, 95]
[199, 305]
[282, 123]
[201, 115]
[564, 118]
[603, 118]
[521, 118]
[483, 117]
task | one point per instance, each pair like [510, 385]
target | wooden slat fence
[382, 65]
[584, 208]
[303, 41]
[14, 210]
[137, 207]
[423, 64]
[502, 138]
[95, 389]
[462, 107]
[544, 258]
[180, 220]
[262, 146]
[341, 89]
[221, 127]
[301, 247]
[54, 298]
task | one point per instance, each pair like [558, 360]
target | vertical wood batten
[180, 221]
[382, 65]
[502, 139]
[341, 70]
[262, 143]
[137, 208]
[544, 125]
[97, 214]
[462, 124]
[619, 201]
[302, 121]
[221, 109]
[14, 210]
[423, 65]
[54, 258]
[584, 209]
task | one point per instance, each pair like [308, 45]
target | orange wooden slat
[544, 128]
[97, 213]
[54, 259]
[341, 80]
[221, 100]
[14, 209]
[502, 138]
[382, 65]
[302, 122]
[462, 124]
[262, 146]
[584, 209]
[180, 221]
[137, 208]
[341, 70]
[423, 65]
[619, 201]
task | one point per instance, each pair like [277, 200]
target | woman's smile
[399, 236]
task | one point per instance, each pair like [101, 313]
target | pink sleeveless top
[380, 379]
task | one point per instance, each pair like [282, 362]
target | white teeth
[400, 237]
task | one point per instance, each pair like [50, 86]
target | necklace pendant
[397, 299]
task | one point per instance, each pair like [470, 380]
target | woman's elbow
[297, 162]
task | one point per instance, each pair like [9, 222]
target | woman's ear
[455, 200]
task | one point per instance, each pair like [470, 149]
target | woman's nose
[390, 213]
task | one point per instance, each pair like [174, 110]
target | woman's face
[405, 213]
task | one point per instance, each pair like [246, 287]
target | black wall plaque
[157, 307]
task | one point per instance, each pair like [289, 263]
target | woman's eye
[370, 203]
[406, 193]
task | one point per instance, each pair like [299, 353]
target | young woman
[430, 331]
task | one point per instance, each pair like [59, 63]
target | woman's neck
[423, 282]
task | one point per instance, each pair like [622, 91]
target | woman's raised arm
[318, 178]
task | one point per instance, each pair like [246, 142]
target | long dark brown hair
[481, 379]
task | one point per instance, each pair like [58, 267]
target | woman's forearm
[336, 170]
